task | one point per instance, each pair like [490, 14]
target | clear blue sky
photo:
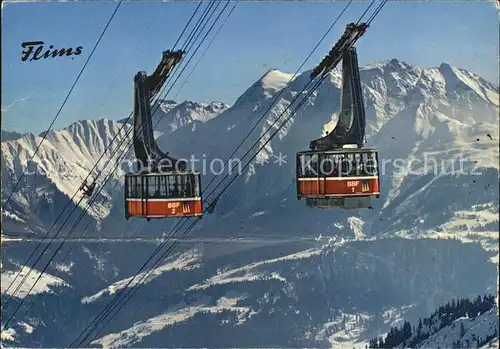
[258, 36]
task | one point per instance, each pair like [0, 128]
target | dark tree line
[444, 316]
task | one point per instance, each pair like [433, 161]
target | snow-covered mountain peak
[392, 64]
[187, 112]
[199, 111]
[58, 168]
[410, 112]
[274, 80]
[421, 127]
[265, 87]
[457, 79]
[167, 105]
[169, 115]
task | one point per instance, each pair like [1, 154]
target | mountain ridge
[397, 96]
[264, 269]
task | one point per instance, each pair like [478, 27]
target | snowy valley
[263, 269]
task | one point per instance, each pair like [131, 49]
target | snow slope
[448, 115]
[436, 129]
[477, 328]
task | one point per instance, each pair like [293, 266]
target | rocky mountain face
[264, 269]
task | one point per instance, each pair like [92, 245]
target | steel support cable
[245, 166]
[65, 239]
[275, 100]
[300, 104]
[284, 111]
[377, 11]
[165, 254]
[194, 35]
[94, 197]
[119, 133]
[90, 172]
[160, 120]
[114, 151]
[62, 243]
[81, 234]
[46, 132]
[140, 283]
[212, 26]
[281, 125]
[206, 49]
[64, 102]
[365, 12]
[196, 50]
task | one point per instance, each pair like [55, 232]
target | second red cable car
[331, 175]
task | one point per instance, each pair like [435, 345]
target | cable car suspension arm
[350, 128]
[146, 149]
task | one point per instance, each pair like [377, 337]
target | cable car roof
[173, 173]
[338, 151]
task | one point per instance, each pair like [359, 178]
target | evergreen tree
[406, 330]
[373, 343]
[462, 330]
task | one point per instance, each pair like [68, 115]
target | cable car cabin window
[130, 187]
[182, 185]
[174, 186]
[132, 190]
[358, 164]
[139, 187]
[370, 165]
[188, 186]
[301, 159]
[136, 191]
[153, 190]
[163, 186]
[308, 165]
[196, 186]
[170, 186]
[329, 165]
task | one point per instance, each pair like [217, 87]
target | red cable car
[330, 175]
[156, 195]
[346, 178]
[161, 187]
